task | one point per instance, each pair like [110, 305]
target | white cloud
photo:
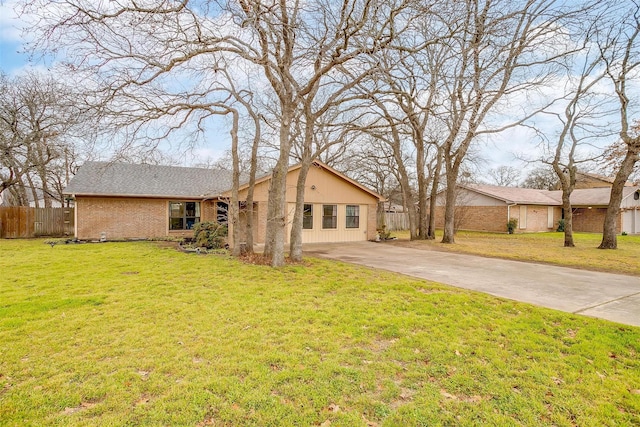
[11, 26]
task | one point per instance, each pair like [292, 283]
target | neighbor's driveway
[608, 296]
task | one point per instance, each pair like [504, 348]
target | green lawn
[541, 247]
[135, 334]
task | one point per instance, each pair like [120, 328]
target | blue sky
[12, 58]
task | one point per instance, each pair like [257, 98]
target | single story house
[137, 201]
[489, 207]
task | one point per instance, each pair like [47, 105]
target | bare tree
[543, 178]
[41, 120]
[619, 50]
[402, 102]
[134, 54]
[503, 48]
[388, 128]
[579, 123]
[506, 176]
[613, 156]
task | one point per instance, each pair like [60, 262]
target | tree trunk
[234, 205]
[295, 245]
[435, 182]
[407, 197]
[610, 229]
[568, 219]
[34, 193]
[423, 224]
[449, 209]
[452, 167]
[276, 206]
[252, 182]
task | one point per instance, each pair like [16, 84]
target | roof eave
[140, 196]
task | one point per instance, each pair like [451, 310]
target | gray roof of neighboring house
[596, 196]
[124, 179]
[517, 195]
[530, 196]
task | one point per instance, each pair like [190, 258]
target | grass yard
[541, 247]
[136, 334]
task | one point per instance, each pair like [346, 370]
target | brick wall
[478, 218]
[129, 218]
[538, 219]
[494, 218]
[591, 220]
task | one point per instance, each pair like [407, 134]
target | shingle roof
[124, 179]
[528, 196]
[596, 196]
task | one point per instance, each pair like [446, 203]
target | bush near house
[134, 334]
[210, 235]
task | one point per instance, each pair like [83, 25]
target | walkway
[608, 296]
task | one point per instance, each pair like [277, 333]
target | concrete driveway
[608, 296]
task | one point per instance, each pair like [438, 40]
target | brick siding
[494, 218]
[591, 220]
[129, 218]
[477, 218]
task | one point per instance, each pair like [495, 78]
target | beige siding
[339, 234]
[322, 187]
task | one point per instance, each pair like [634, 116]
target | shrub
[511, 225]
[383, 233]
[210, 235]
[560, 225]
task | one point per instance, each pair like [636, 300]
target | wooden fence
[19, 222]
[396, 221]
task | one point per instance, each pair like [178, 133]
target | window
[329, 216]
[353, 216]
[307, 217]
[222, 212]
[183, 215]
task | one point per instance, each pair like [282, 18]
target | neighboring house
[592, 180]
[488, 208]
[130, 201]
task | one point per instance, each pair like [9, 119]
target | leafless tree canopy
[43, 126]
[407, 86]
[507, 176]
